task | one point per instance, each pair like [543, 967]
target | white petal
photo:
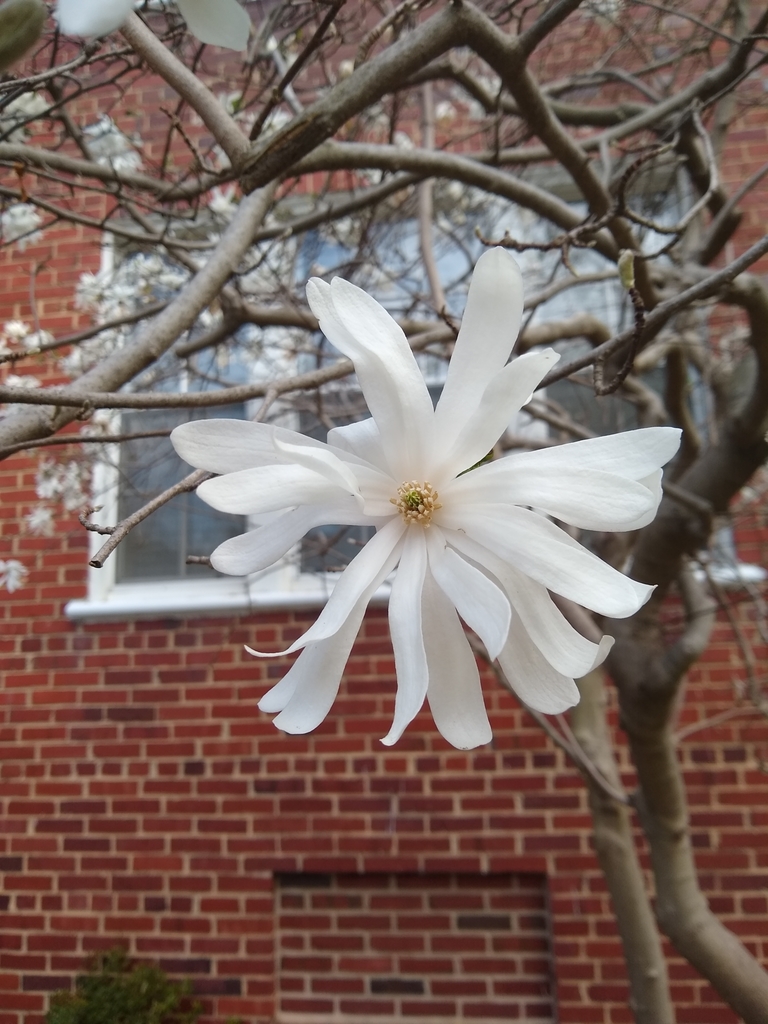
[277, 697]
[322, 461]
[587, 498]
[304, 696]
[373, 488]
[374, 563]
[226, 446]
[91, 17]
[389, 376]
[653, 483]
[262, 547]
[406, 631]
[268, 489]
[531, 676]
[477, 599]
[634, 454]
[218, 22]
[564, 647]
[509, 391]
[541, 550]
[309, 689]
[454, 693]
[488, 331]
[361, 439]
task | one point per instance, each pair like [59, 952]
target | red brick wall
[449, 946]
[145, 800]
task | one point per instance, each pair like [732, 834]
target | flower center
[416, 502]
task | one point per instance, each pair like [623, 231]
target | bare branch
[121, 531]
[155, 337]
[664, 311]
[50, 160]
[218, 122]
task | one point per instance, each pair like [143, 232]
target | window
[150, 572]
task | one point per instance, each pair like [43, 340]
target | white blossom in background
[12, 574]
[403, 140]
[140, 280]
[40, 521]
[36, 339]
[16, 335]
[16, 116]
[445, 113]
[19, 223]
[223, 202]
[102, 421]
[89, 290]
[218, 22]
[12, 336]
[66, 482]
[15, 331]
[111, 147]
[22, 380]
[469, 541]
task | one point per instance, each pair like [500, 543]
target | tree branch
[616, 851]
[154, 338]
[121, 531]
[222, 127]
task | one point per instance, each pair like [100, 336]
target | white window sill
[221, 597]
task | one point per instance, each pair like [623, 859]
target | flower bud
[626, 265]
[21, 22]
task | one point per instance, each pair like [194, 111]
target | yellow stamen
[416, 502]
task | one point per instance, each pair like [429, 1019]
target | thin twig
[567, 743]
[296, 66]
[224, 128]
[84, 518]
[662, 313]
[50, 442]
[86, 334]
[711, 722]
[119, 532]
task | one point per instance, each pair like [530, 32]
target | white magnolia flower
[65, 482]
[223, 202]
[89, 290]
[445, 113]
[111, 147]
[15, 330]
[19, 223]
[37, 339]
[219, 22]
[17, 115]
[477, 545]
[40, 521]
[12, 574]
[22, 380]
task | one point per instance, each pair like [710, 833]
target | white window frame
[280, 587]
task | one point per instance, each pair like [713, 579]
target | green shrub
[117, 990]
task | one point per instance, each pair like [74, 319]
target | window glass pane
[157, 548]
